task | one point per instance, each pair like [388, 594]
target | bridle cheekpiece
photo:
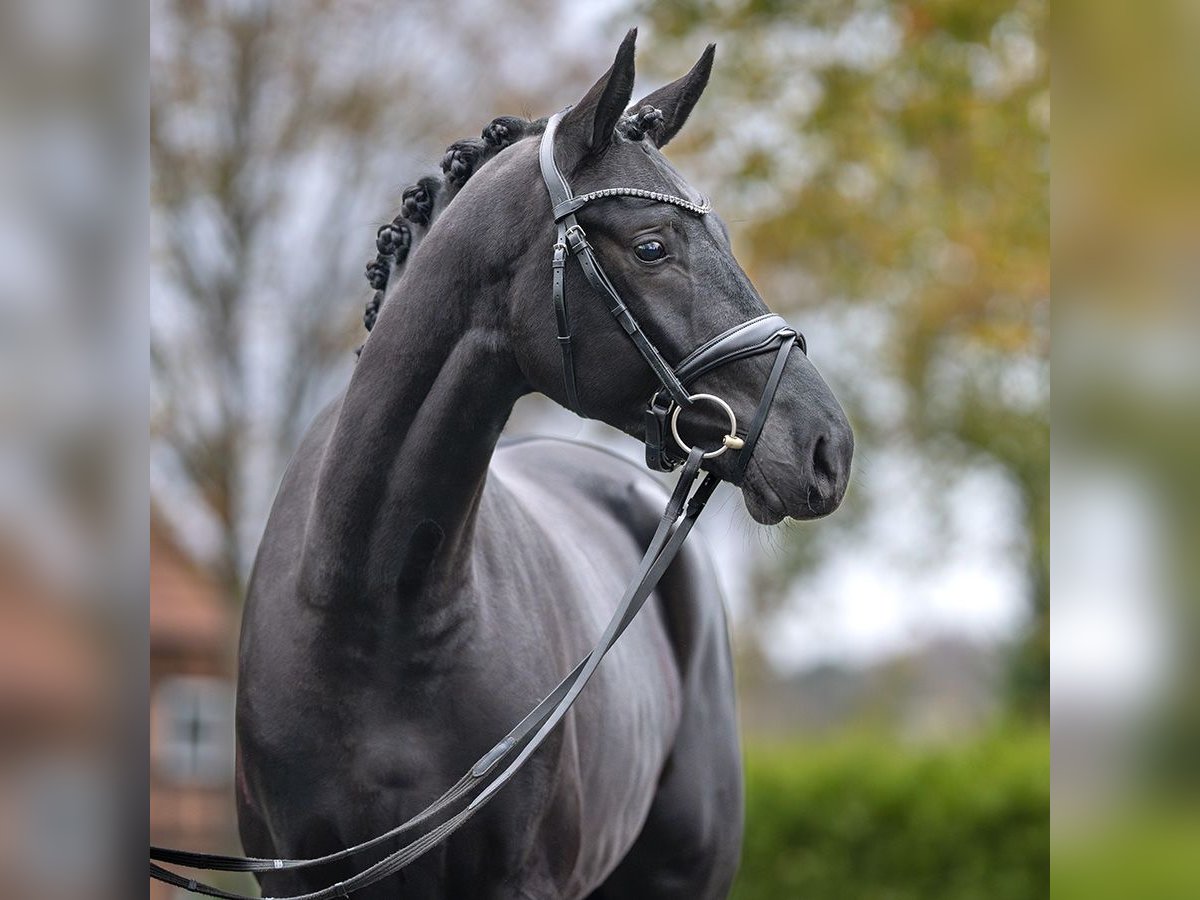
[665, 449]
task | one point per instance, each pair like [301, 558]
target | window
[194, 719]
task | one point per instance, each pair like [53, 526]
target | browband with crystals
[574, 204]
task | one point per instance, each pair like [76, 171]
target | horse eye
[650, 251]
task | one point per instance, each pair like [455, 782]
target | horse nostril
[824, 467]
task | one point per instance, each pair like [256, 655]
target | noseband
[665, 450]
[764, 334]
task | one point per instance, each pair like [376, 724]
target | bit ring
[730, 442]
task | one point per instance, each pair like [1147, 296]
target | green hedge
[1129, 852]
[871, 819]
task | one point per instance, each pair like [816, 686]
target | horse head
[669, 261]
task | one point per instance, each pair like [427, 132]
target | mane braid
[646, 121]
[422, 202]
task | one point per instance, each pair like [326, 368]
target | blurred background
[885, 171]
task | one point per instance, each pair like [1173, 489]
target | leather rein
[665, 451]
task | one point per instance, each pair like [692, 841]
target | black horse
[418, 588]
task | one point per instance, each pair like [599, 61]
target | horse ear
[588, 128]
[677, 99]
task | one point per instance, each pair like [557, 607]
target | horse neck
[398, 491]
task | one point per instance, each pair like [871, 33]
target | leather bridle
[665, 451]
[764, 334]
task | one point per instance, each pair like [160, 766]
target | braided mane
[422, 202]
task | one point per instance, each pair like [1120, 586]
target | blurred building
[192, 653]
[54, 714]
[56, 717]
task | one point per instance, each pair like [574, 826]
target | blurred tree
[1125, 247]
[239, 104]
[893, 159]
[281, 135]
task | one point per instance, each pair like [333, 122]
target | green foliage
[864, 818]
[1145, 853]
